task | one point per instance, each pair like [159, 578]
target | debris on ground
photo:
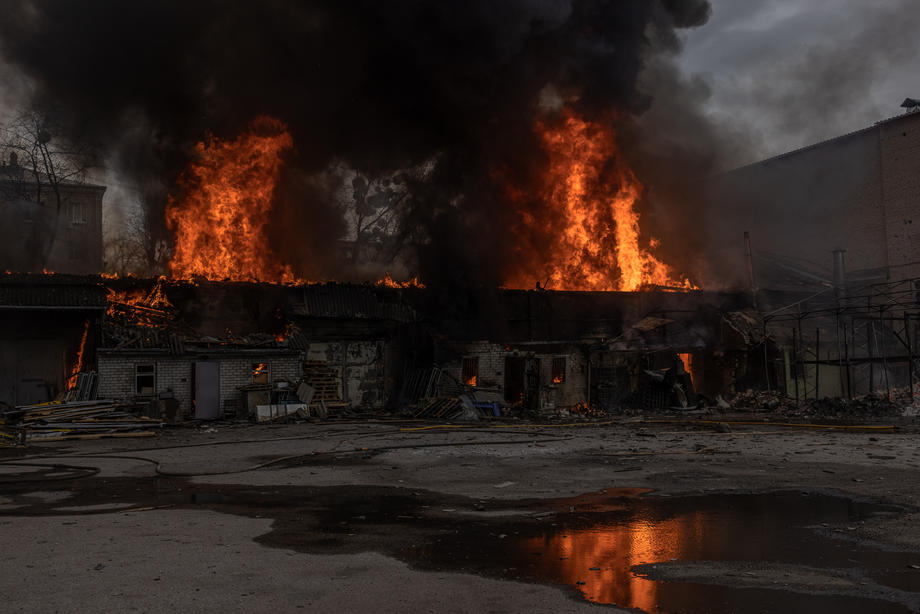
[56, 421]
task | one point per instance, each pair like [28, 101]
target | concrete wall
[117, 374]
[859, 192]
[361, 369]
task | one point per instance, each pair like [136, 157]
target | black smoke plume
[377, 87]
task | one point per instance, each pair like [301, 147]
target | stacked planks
[75, 420]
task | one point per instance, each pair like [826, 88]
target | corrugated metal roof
[353, 301]
[50, 292]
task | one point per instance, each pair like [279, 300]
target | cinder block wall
[236, 372]
[117, 372]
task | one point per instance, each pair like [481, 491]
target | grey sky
[789, 73]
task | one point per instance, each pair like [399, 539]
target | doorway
[522, 381]
[206, 399]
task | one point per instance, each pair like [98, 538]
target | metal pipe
[840, 271]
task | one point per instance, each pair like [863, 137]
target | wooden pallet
[326, 384]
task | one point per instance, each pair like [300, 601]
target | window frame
[138, 375]
[268, 372]
[469, 371]
[559, 366]
[78, 206]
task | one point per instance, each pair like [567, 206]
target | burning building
[49, 332]
[219, 349]
[556, 247]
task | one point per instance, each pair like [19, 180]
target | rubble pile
[763, 400]
[866, 406]
[874, 405]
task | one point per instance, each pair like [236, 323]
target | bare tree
[41, 162]
[139, 249]
[374, 214]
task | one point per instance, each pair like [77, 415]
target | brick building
[204, 381]
[56, 227]
[859, 192]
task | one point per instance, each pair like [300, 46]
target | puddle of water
[590, 545]
[595, 552]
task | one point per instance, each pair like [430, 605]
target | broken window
[260, 373]
[558, 369]
[469, 373]
[145, 379]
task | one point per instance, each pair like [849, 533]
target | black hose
[157, 464]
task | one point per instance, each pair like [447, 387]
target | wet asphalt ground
[379, 518]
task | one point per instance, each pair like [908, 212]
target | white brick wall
[117, 375]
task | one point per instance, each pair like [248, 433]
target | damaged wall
[359, 366]
[512, 370]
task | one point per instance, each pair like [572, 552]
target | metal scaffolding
[847, 342]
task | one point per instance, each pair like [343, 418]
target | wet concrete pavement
[368, 517]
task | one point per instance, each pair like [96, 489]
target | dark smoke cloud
[377, 86]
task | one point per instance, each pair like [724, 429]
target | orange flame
[387, 281]
[150, 309]
[591, 193]
[78, 365]
[220, 224]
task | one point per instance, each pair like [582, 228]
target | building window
[145, 379]
[469, 372]
[261, 373]
[78, 212]
[558, 369]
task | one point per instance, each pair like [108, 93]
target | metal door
[207, 390]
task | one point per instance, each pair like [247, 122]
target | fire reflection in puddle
[595, 544]
[598, 562]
